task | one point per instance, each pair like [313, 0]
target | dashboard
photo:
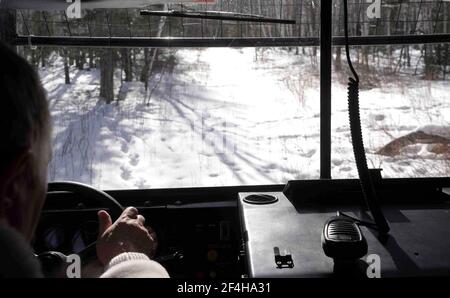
[198, 240]
[218, 233]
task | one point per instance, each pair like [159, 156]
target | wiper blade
[217, 15]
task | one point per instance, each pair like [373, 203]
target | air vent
[260, 199]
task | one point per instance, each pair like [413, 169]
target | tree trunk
[428, 59]
[80, 60]
[337, 61]
[66, 67]
[262, 26]
[145, 69]
[34, 59]
[126, 65]
[70, 57]
[91, 59]
[148, 62]
[107, 75]
[43, 56]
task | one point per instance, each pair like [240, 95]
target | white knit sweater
[131, 264]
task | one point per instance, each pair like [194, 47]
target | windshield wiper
[216, 15]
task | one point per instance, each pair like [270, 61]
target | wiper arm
[217, 15]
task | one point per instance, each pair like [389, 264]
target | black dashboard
[198, 230]
[216, 233]
[192, 242]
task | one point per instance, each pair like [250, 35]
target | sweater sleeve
[134, 265]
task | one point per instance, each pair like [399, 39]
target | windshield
[212, 117]
[133, 117]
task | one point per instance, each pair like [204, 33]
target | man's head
[24, 143]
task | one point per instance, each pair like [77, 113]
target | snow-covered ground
[233, 117]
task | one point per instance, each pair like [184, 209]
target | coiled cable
[365, 178]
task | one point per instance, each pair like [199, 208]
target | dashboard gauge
[85, 235]
[54, 237]
[78, 243]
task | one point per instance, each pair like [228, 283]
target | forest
[398, 17]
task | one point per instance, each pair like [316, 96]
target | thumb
[104, 222]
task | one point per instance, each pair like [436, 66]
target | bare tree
[127, 64]
[107, 75]
[66, 66]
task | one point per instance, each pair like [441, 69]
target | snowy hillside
[233, 117]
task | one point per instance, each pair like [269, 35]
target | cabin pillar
[325, 88]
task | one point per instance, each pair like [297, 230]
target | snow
[227, 116]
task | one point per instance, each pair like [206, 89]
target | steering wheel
[55, 262]
[107, 201]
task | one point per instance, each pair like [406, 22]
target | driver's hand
[127, 234]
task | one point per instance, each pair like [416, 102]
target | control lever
[53, 264]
